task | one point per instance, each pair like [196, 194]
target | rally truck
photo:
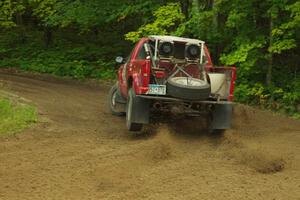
[171, 74]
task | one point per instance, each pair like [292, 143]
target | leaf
[166, 19]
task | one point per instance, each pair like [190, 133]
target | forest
[81, 39]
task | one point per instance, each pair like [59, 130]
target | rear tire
[217, 131]
[130, 108]
[198, 91]
[112, 101]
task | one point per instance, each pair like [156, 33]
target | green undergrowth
[285, 100]
[15, 117]
[71, 57]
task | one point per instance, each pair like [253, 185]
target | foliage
[166, 19]
[8, 9]
[242, 54]
[269, 97]
[59, 62]
[64, 58]
[15, 117]
[43, 9]
[285, 32]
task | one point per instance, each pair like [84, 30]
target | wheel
[130, 108]
[217, 131]
[112, 101]
[188, 88]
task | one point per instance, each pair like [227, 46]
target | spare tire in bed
[188, 88]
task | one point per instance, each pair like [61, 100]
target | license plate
[157, 89]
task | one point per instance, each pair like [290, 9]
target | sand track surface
[79, 150]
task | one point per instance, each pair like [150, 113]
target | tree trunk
[209, 4]
[21, 28]
[185, 7]
[270, 65]
[219, 25]
[96, 33]
[47, 36]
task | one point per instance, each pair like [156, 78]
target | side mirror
[120, 59]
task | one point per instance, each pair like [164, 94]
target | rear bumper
[165, 98]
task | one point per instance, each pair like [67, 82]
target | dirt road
[80, 151]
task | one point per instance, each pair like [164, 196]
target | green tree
[167, 18]
[8, 9]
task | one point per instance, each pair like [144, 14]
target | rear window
[141, 53]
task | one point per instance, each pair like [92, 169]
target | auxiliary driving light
[166, 49]
[192, 52]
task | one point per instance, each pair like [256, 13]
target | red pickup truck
[172, 75]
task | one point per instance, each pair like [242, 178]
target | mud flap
[141, 110]
[221, 116]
